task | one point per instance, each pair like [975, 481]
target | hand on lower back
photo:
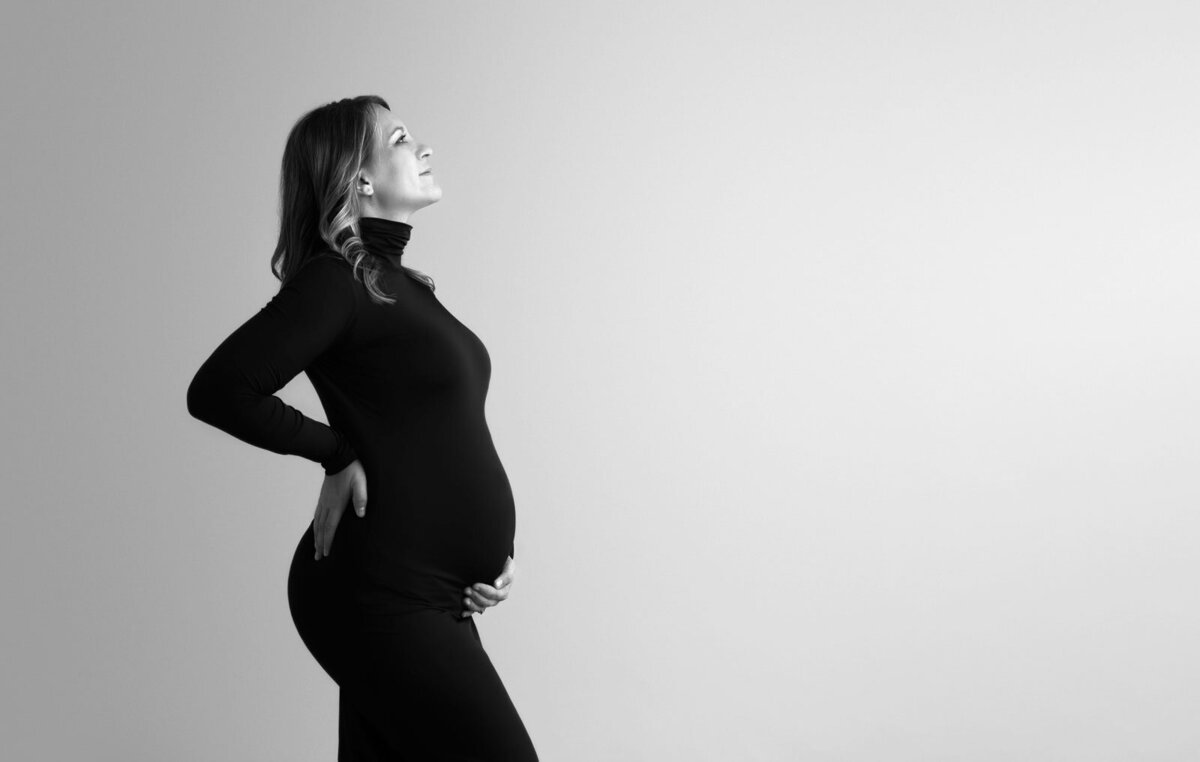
[337, 491]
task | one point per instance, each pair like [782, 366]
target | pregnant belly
[427, 536]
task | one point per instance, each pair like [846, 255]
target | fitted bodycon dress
[403, 387]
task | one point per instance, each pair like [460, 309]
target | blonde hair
[318, 208]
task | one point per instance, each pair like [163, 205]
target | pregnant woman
[384, 599]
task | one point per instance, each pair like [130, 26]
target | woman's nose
[426, 152]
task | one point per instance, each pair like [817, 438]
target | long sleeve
[234, 389]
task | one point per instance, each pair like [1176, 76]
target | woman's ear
[364, 186]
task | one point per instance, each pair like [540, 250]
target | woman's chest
[417, 342]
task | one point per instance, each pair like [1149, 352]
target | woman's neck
[385, 238]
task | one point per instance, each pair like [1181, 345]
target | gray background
[845, 370]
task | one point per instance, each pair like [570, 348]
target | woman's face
[398, 179]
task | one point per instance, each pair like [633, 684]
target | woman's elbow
[203, 394]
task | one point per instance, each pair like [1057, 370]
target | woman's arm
[234, 390]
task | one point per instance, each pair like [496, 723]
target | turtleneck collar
[386, 238]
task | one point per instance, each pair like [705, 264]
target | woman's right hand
[336, 491]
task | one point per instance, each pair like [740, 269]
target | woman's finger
[331, 521]
[480, 598]
[499, 593]
[358, 490]
[476, 594]
[506, 575]
[317, 529]
[491, 594]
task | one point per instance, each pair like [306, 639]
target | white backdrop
[844, 368]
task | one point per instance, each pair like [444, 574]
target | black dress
[403, 386]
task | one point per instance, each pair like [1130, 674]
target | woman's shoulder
[326, 259]
[328, 273]
[324, 265]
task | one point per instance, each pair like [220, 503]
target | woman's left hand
[478, 597]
